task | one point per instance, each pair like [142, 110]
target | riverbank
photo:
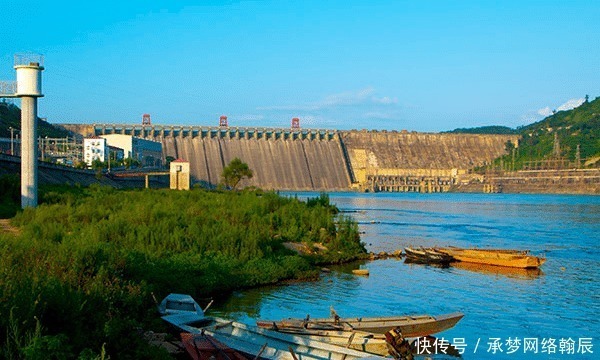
[78, 280]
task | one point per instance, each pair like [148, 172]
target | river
[548, 314]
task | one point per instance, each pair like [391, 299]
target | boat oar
[292, 352]
[350, 339]
[207, 306]
[260, 351]
[349, 343]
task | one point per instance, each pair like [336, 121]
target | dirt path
[6, 227]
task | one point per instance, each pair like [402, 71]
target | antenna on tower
[146, 119]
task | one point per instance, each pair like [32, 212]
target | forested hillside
[10, 116]
[565, 139]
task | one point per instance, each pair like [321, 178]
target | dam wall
[417, 162]
[313, 159]
[280, 159]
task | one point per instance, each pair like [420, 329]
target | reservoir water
[553, 313]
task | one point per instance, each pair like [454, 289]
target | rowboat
[203, 346]
[427, 256]
[510, 258]
[251, 340]
[358, 340]
[410, 326]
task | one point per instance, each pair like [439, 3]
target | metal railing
[8, 88]
[29, 59]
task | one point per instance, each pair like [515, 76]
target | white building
[147, 152]
[94, 148]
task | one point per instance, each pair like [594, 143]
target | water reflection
[510, 272]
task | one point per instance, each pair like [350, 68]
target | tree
[168, 159]
[97, 164]
[509, 146]
[235, 172]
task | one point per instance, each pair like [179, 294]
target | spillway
[281, 164]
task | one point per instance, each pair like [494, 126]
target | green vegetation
[234, 173]
[565, 139]
[10, 197]
[78, 280]
[575, 128]
[498, 130]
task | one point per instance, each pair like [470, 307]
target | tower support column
[29, 152]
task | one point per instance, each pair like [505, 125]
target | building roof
[179, 161]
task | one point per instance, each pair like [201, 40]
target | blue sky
[415, 65]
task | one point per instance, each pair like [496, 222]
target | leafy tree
[235, 172]
[509, 146]
[168, 160]
[131, 163]
[97, 164]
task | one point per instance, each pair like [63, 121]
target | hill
[494, 129]
[579, 126]
[565, 139]
[10, 116]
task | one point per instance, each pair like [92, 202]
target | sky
[425, 65]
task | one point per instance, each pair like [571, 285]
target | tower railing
[8, 88]
[29, 59]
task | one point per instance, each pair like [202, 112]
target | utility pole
[12, 146]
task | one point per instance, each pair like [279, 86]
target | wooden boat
[410, 326]
[251, 340]
[358, 340]
[203, 346]
[427, 256]
[510, 258]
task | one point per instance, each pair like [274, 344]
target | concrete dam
[310, 159]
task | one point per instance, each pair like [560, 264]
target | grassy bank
[77, 281]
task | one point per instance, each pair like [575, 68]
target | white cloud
[570, 104]
[247, 117]
[379, 115]
[545, 111]
[385, 100]
[348, 98]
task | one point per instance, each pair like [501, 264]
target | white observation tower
[29, 87]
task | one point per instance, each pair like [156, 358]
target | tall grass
[77, 281]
